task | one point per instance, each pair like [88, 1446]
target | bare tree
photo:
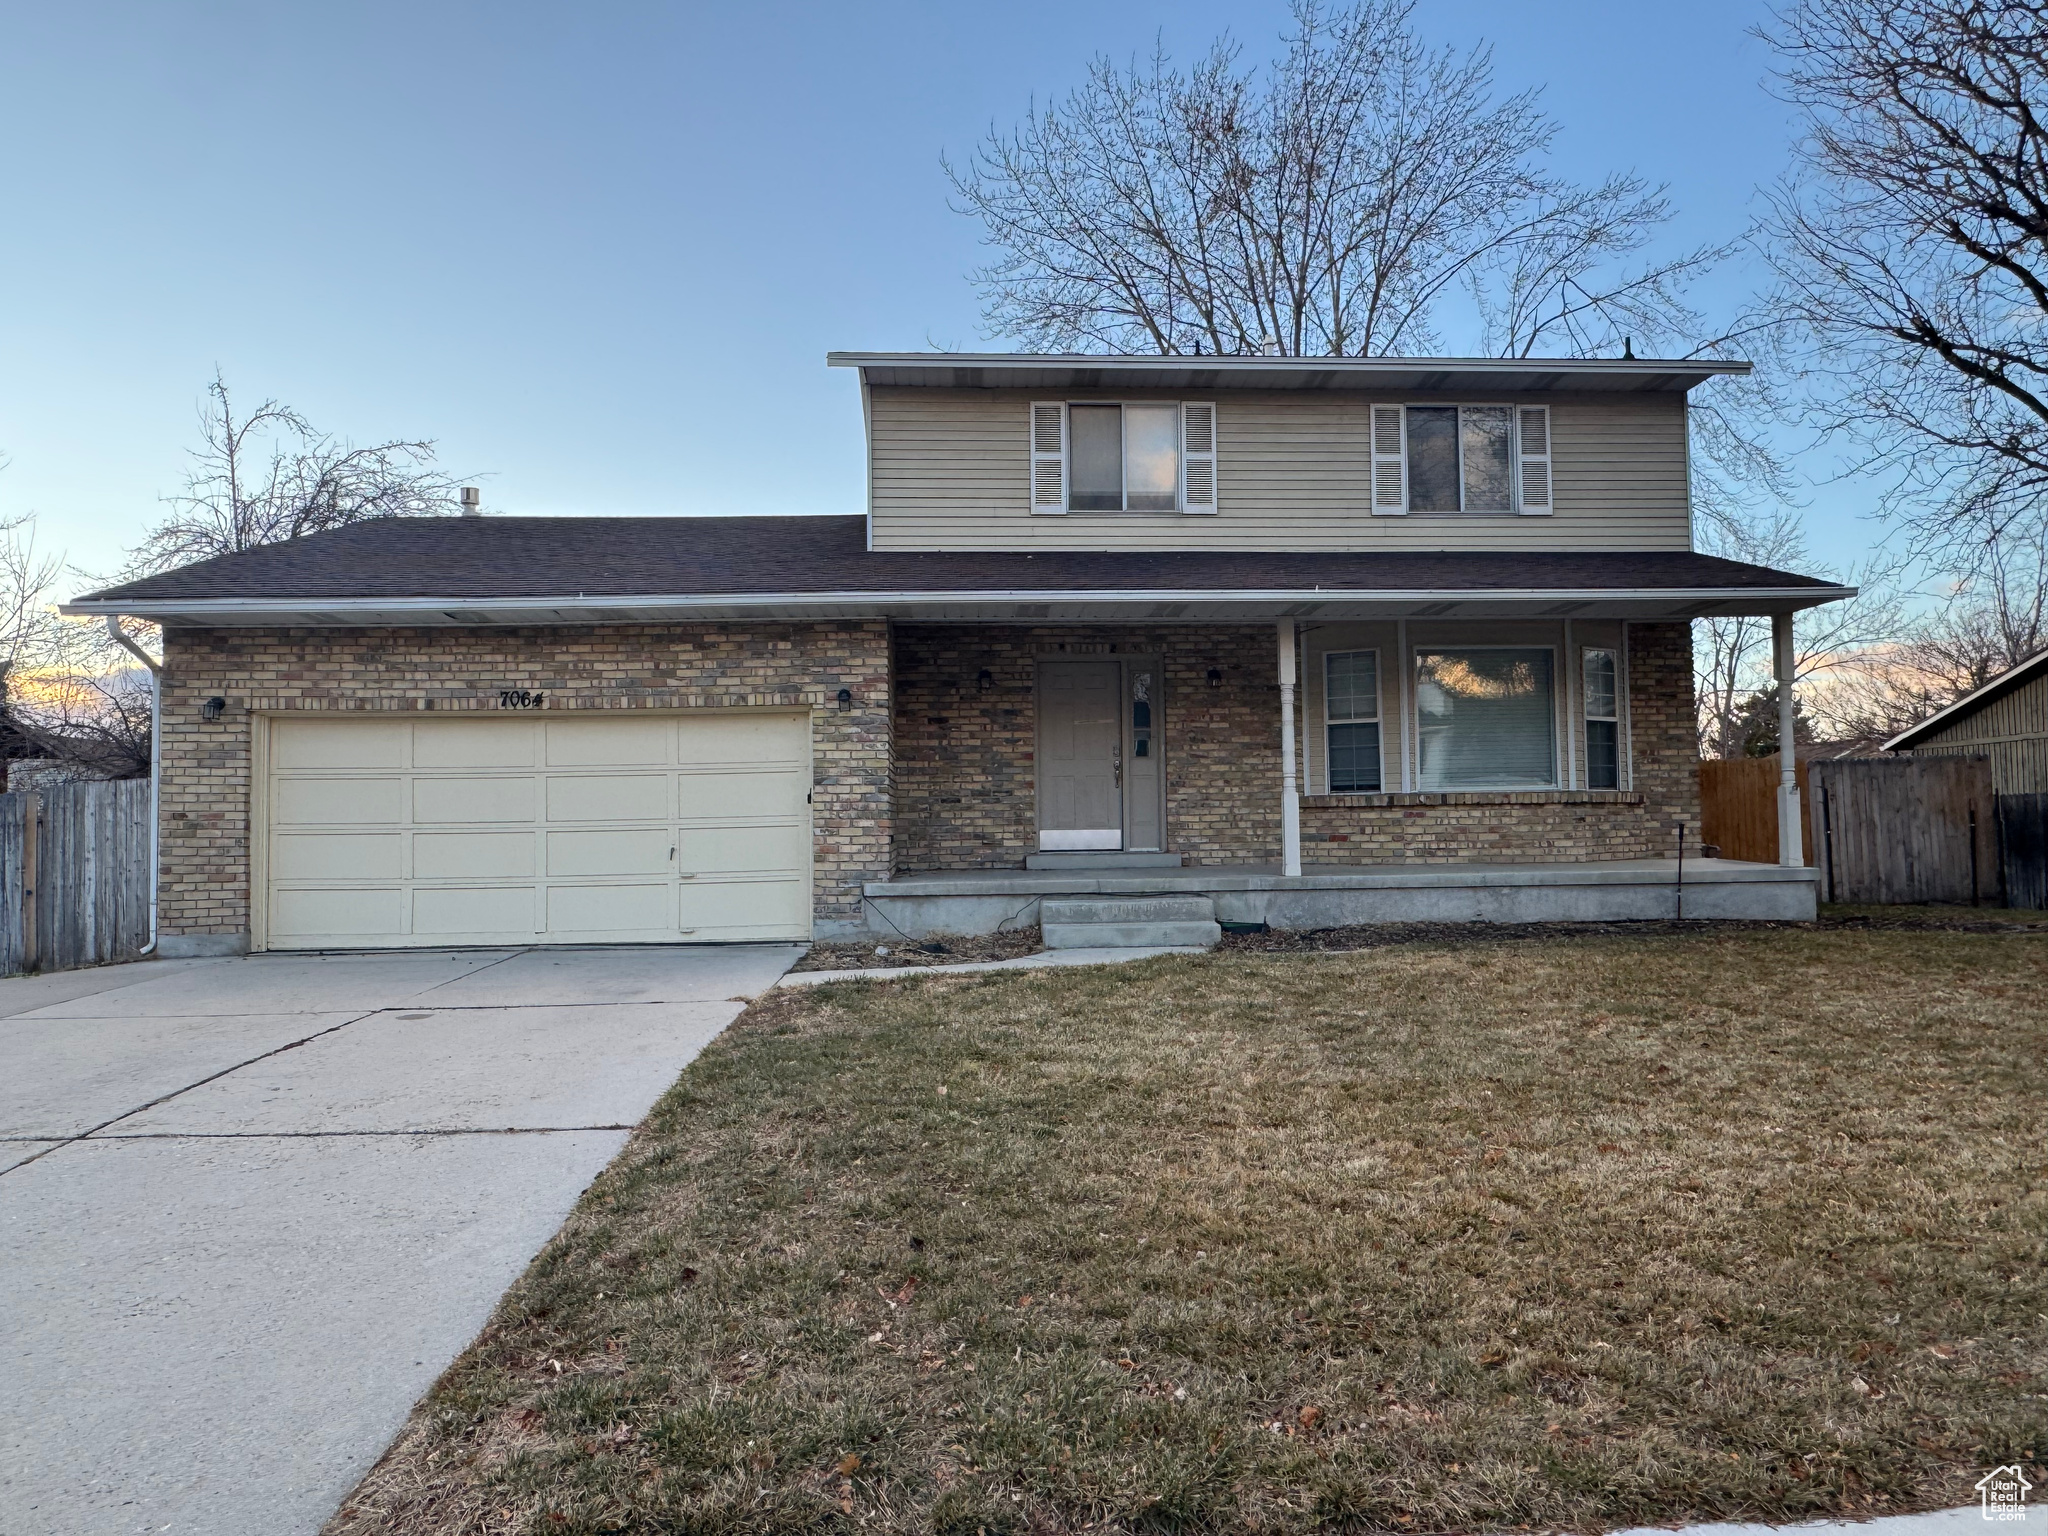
[28, 623]
[1911, 250]
[1328, 206]
[1990, 620]
[269, 476]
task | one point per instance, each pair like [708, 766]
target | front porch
[923, 904]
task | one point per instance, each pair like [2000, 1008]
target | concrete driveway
[250, 1209]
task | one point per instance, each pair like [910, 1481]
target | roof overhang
[972, 607]
[1472, 375]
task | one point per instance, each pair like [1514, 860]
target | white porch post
[1290, 794]
[1791, 842]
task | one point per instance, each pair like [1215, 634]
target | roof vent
[472, 501]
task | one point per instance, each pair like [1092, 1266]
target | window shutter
[1389, 464]
[1048, 456]
[1198, 456]
[1535, 429]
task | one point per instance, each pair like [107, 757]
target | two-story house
[1296, 640]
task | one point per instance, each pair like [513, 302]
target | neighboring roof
[2033, 667]
[1476, 375]
[589, 569]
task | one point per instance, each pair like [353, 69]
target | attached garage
[393, 831]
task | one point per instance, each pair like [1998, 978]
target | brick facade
[206, 765]
[966, 791]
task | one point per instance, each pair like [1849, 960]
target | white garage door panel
[338, 855]
[604, 797]
[337, 915]
[743, 792]
[482, 829]
[510, 798]
[610, 743]
[324, 802]
[636, 851]
[475, 911]
[735, 908]
[473, 856]
[340, 743]
[476, 744]
[743, 850]
[632, 911]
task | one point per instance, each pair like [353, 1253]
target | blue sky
[599, 252]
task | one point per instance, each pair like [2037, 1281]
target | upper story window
[1123, 456]
[1460, 458]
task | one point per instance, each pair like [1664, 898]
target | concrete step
[1164, 908]
[1128, 922]
[1130, 935]
[1102, 859]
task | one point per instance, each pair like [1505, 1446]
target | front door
[1080, 755]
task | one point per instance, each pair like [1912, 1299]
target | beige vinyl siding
[951, 469]
[2012, 731]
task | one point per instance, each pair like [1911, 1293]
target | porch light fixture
[845, 700]
[1215, 677]
[213, 708]
[984, 680]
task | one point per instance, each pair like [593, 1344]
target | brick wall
[965, 783]
[206, 766]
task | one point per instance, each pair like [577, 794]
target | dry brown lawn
[1587, 1233]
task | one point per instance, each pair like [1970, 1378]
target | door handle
[1116, 762]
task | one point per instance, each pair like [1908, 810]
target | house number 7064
[519, 698]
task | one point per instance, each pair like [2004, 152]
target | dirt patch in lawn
[941, 949]
[1561, 1235]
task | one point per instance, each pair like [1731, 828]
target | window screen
[1484, 432]
[1151, 458]
[1432, 458]
[1351, 708]
[1603, 721]
[1484, 719]
[1095, 441]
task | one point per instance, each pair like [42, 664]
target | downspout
[156, 758]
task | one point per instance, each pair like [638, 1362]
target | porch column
[1791, 842]
[1290, 794]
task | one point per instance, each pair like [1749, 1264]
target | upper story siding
[950, 469]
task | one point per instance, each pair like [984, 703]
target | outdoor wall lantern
[984, 680]
[1215, 677]
[213, 708]
[845, 700]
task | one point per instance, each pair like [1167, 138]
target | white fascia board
[1041, 361]
[529, 610]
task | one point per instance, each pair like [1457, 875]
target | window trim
[1514, 410]
[1556, 726]
[1378, 716]
[1180, 507]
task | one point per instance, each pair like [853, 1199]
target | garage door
[572, 830]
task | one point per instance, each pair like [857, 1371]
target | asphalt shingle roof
[516, 557]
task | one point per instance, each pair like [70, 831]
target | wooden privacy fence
[74, 875]
[1905, 829]
[1739, 807]
[2023, 849]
